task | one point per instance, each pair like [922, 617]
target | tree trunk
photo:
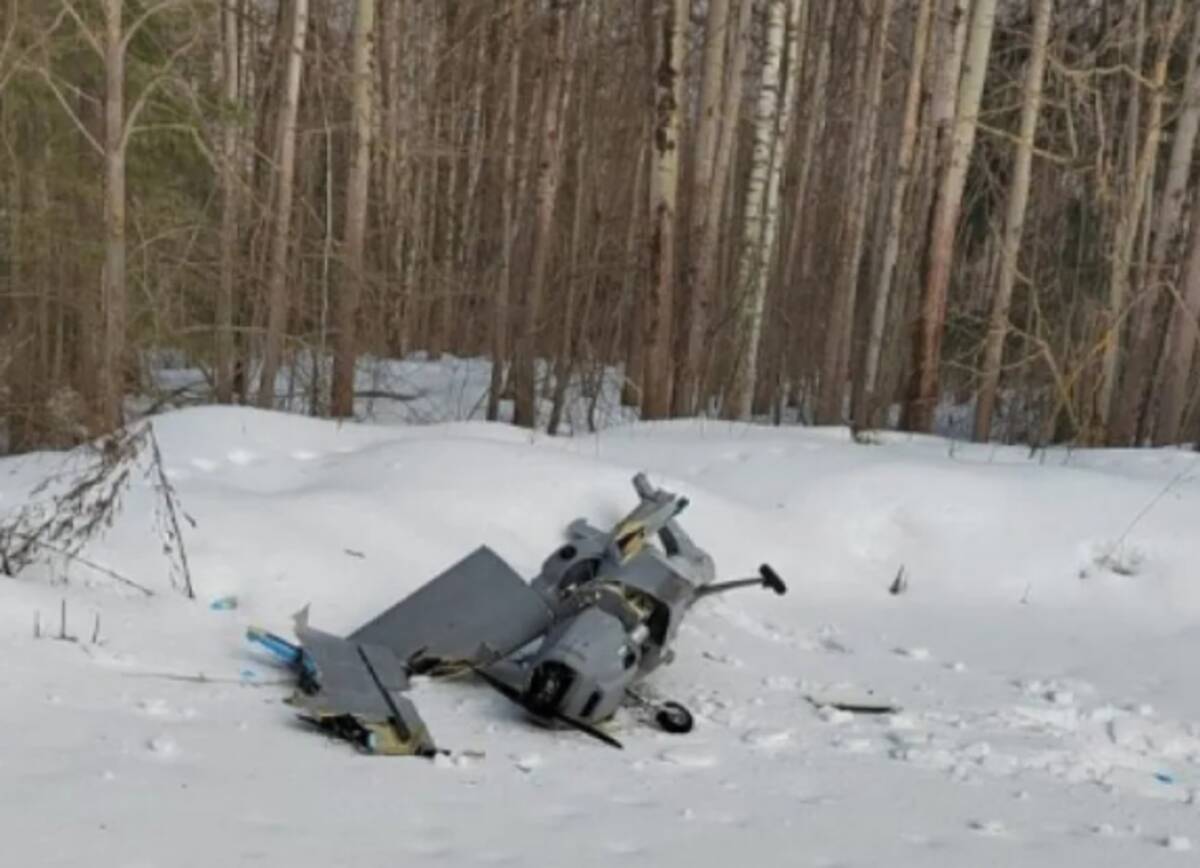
[362, 104]
[671, 20]
[797, 261]
[549, 174]
[1143, 350]
[708, 271]
[627, 337]
[113, 372]
[1115, 420]
[866, 394]
[1180, 348]
[760, 218]
[838, 336]
[285, 165]
[1014, 221]
[927, 344]
[501, 316]
[708, 127]
[223, 363]
[564, 360]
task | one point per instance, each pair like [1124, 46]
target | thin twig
[112, 574]
[169, 496]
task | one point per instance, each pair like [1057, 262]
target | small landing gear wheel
[674, 718]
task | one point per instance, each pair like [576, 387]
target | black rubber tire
[674, 718]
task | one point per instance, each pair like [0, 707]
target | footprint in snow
[241, 457]
[727, 659]
[163, 747]
[914, 653]
[304, 455]
[989, 828]
[204, 465]
[529, 762]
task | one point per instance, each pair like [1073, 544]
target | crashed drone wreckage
[567, 647]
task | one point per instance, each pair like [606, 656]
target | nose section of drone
[582, 669]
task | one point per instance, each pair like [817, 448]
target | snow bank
[1042, 654]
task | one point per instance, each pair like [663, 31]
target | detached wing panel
[477, 611]
[358, 695]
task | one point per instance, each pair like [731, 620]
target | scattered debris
[607, 604]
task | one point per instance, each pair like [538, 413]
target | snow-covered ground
[1044, 655]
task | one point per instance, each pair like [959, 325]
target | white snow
[1043, 654]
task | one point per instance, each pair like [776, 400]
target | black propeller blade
[511, 693]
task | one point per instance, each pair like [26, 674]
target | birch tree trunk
[708, 127]
[1114, 421]
[757, 216]
[223, 363]
[549, 174]
[1182, 336]
[362, 109]
[671, 18]
[1143, 350]
[866, 399]
[923, 393]
[838, 337]
[112, 354]
[1014, 221]
[501, 315]
[285, 165]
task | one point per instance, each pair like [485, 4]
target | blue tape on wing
[292, 655]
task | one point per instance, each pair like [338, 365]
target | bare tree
[501, 314]
[708, 127]
[559, 72]
[923, 392]
[110, 42]
[705, 290]
[1128, 222]
[362, 102]
[760, 217]
[866, 397]
[835, 367]
[670, 24]
[1014, 221]
[230, 184]
[285, 168]
[1129, 424]
[112, 358]
[1182, 337]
